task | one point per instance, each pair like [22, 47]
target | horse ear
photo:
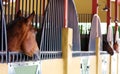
[30, 17]
[19, 14]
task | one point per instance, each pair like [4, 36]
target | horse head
[21, 35]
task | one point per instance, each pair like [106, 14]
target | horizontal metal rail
[86, 53]
[51, 55]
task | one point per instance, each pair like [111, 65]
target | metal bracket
[12, 66]
[38, 71]
[85, 65]
[11, 69]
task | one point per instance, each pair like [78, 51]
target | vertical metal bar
[89, 17]
[5, 37]
[58, 25]
[53, 20]
[62, 20]
[33, 5]
[36, 19]
[20, 57]
[9, 57]
[47, 30]
[40, 17]
[50, 26]
[8, 11]
[44, 30]
[2, 31]
[57, 30]
[22, 7]
[27, 58]
[13, 57]
[17, 57]
[55, 25]
[33, 8]
[29, 6]
[82, 17]
[52, 8]
[24, 57]
[26, 8]
[12, 11]
[79, 17]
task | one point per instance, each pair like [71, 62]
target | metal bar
[40, 17]
[82, 17]
[33, 9]
[52, 30]
[13, 57]
[45, 34]
[53, 39]
[26, 8]
[79, 17]
[33, 5]
[17, 55]
[29, 6]
[48, 28]
[36, 19]
[8, 11]
[5, 39]
[50, 25]
[58, 25]
[53, 52]
[12, 11]
[55, 25]
[43, 38]
[22, 7]
[20, 57]
[2, 31]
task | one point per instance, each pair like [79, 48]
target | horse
[21, 35]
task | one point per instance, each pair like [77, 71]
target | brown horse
[21, 35]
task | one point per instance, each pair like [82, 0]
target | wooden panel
[3, 69]
[52, 66]
[92, 64]
[75, 66]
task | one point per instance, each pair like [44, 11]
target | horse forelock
[15, 21]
